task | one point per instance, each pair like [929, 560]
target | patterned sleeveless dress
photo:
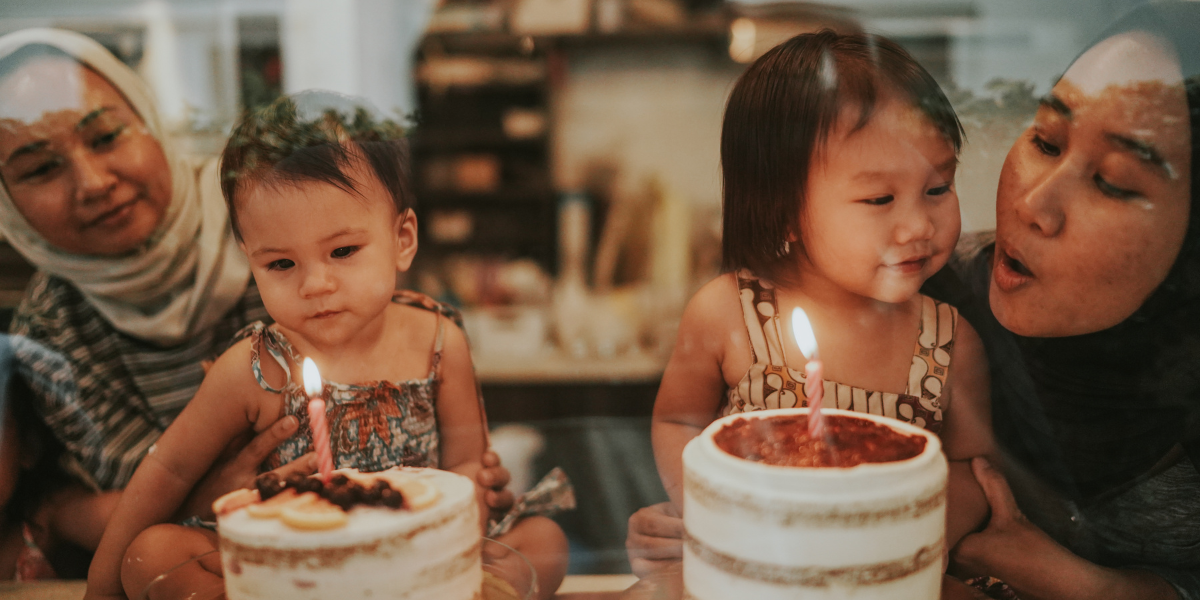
[771, 384]
[374, 426]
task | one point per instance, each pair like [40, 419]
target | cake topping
[235, 500]
[310, 511]
[308, 503]
[784, 441]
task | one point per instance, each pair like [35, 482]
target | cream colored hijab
[189, 273]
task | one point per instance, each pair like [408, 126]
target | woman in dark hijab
[1088, 301]
[1089, 304]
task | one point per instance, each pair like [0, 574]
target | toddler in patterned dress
[320, 201]
[838, 155]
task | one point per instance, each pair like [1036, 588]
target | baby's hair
[780, 113]
[277, 146]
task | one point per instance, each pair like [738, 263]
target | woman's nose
[1040, 204]
[93, 179]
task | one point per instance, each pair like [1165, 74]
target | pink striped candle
[814, 371]
[314, 389]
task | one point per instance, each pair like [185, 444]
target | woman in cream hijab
[139, 277]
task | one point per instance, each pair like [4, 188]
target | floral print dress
[375, 425]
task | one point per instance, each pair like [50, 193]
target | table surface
[574, 587]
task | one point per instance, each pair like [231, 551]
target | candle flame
[312, 378]
[803, 331]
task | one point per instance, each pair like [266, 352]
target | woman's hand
[655, 539]
[1008, 534]
[238, 467]
[494, 478]
[1015, 551]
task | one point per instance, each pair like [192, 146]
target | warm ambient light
[742, 34]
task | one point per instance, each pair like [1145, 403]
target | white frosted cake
[302, 545]
[771, 514]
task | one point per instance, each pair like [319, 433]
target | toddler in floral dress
[321, 203]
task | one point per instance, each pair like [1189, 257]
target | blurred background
[565, 154]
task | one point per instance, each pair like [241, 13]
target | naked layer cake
[772, 514]
[402, 533]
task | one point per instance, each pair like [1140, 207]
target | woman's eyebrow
[1143, 150]
[92, 116]
[29, 148]
[1056, 104]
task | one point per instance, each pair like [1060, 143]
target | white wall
[649, 112]
[356, 47]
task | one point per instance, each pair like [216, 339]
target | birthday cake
[771, 513]
[402, 533]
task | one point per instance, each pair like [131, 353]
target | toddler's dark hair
[276, 146]
[779, 114]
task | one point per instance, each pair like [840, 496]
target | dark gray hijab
[1091, 415]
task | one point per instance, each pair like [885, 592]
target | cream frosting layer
[873, 531]
[380, 553]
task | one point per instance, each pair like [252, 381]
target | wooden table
[574, 587]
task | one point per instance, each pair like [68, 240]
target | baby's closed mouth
[325, 313]
[911, 264]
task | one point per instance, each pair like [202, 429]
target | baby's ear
[405, 230]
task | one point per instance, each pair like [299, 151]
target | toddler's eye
[282, 264]
[344, 251]
[1045, 147]
[880, 201]
[938, 191]
[1111, 190]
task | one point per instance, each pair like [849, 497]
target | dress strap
[760, 310]
[435, 359]
[261, 336]
[32, 564]
[935, 345]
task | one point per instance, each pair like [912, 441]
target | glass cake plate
[500, 562]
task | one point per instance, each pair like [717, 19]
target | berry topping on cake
[235, 500]
[269, 509]
[311, 504]
[310, 511]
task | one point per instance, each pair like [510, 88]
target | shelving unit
[491, 179]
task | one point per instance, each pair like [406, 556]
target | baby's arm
[692, 385]
[223, 408]
[966, 432]
[460, 424]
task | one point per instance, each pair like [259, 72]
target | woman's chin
[1020, 313]
[1032, 311]
[119, 241]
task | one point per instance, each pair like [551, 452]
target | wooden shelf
[472, 139]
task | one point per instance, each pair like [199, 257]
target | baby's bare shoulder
[231, 380]
[716, 303]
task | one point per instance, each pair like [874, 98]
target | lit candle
[316, 417]
[814, 371]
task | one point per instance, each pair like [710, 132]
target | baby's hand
[493, 477]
